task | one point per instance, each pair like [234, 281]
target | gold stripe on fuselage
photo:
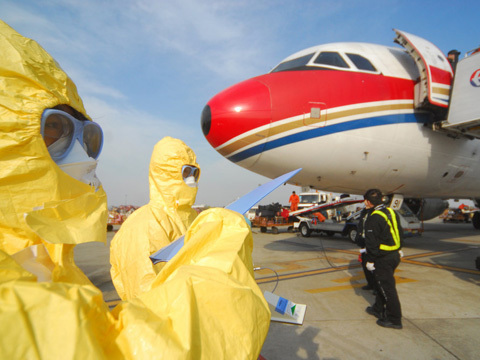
[441, 91]
[295, 124]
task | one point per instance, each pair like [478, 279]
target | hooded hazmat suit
[165, 218]
[42, 208]
[44, 213]
[203, 304]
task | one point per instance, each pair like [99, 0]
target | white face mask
[78, 165]
[190, 181]
[58, 147]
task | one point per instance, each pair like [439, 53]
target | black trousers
[386, 300]
[368, 274]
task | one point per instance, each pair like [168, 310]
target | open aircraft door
[433, 89]
[464, 112]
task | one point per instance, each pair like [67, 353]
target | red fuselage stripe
[283, 95]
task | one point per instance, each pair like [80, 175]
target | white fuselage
[351, 125]
[405, 158]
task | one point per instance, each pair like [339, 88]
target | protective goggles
[62, 129]
[188, 170]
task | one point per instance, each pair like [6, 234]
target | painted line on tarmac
[443, 267]
[409, 259]
[305, 274]
[405, 259]
[434, 253]
[398, 280]
[292, 265]
[353, 252]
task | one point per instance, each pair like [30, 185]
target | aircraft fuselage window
[331, 59]
[361, 63]
[295, 64]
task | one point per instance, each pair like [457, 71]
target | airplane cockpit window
[361, 63]
[331, 59]
[295, 64]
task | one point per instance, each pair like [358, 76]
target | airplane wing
[326, 206]
[241, 206]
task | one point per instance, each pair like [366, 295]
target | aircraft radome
[356, 116]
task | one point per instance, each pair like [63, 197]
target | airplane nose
[239, 109]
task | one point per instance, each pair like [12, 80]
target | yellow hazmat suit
[204, 303]
[42, 207]
[48, 307]
[155, 225]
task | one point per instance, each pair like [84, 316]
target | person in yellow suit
[203, 304]
[50, 201]
[50, 197]
[173, 179]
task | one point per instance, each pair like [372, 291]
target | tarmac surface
[437, 283]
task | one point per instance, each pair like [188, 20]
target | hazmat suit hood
[40, 204]
[168, 190]
[164, 219]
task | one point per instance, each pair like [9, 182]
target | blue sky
[146, 68]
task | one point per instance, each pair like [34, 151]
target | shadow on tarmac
[301, 343]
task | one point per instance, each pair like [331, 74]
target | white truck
[348, 227]
[329, 227]
[333, 215]
[308, 199]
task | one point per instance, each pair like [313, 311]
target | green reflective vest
[393, 230]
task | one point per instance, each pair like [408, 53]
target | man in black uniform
[383, 240]
[360, 241]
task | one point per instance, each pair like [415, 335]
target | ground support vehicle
[114, 219]
[275, 223]
[329, 227]
[118, 215]
[455, 216]
[348, 227]
[308, 221]
[410, 224]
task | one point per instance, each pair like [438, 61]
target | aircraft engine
[426, 209]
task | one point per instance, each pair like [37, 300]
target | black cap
[374, 196]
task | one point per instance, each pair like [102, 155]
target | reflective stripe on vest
[393, 230]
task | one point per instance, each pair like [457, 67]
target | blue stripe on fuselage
[327, 130]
